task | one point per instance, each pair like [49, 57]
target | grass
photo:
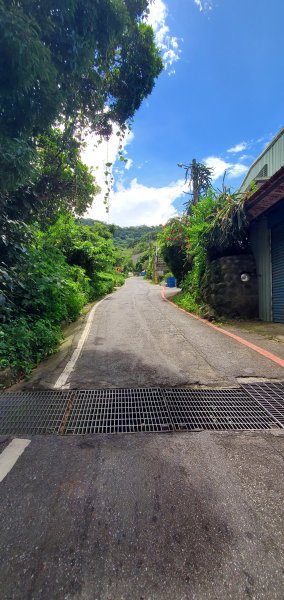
[188, 303]
[185, 300]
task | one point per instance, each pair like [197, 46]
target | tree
[199, 177]
[58, 63]
[61, 181]
[60, 66]
[174, 246]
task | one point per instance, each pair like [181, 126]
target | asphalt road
[181, 516]
[144, 517]
[138, 340]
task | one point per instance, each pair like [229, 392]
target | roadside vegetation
[216, 226]
[143, 250]
[61, 270]
[133, 245]
[61, 76]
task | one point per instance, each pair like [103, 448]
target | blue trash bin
[171, 282]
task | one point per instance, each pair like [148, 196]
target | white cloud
[168, 44]
[237, 170]
[238, 148]
[96, 154]
[219, 166]
[138, 204]
[246, 157]
[204, 5]
[252, 143]
[129, 164]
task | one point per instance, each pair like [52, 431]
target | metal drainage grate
[216, 409]
[270, 396]
[147, 410]
[32, 412]
[118, 411]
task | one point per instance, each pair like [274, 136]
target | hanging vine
[108, 173]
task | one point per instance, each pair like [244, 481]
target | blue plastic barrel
[171, 282]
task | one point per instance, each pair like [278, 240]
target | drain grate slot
[216, 410]
[118, 411]
[270, 396]
[74, 412]
[32, 412]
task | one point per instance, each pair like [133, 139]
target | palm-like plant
[199, 179]
[229, 226]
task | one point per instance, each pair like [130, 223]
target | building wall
[260, 235]
[270, 160]
[272, 156]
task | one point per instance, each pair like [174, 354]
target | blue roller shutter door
[277, 258]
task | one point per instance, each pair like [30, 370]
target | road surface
[138, 340]
[144, 517]
[181, 516]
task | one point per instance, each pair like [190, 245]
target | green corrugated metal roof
[272, 156]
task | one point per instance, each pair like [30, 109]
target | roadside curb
[66, 349]
[276, 359]
[70, 365]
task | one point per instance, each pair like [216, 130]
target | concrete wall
[225, 291]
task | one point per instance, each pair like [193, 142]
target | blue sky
[219, 100]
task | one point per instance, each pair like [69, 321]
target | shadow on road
[132, 517]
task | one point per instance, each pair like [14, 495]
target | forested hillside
[62, 75]
[131, 236]
[133, 244]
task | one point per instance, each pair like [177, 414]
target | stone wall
[227, 293]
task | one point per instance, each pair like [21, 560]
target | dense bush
[174, 246]
[200, 224]
[217, 226]
[60, 271]
[61, 74]
[23, 343]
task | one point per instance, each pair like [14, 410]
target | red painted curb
[279, 361]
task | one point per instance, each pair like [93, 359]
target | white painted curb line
[70, 366]
[10, 455]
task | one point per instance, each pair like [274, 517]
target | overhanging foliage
[217, 226]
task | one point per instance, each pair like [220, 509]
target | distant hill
[88, 222]
[130, 237]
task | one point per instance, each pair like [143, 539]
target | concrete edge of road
[70, 365]
[265, 353]
[62, 356]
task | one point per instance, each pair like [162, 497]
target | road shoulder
[249, 335]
